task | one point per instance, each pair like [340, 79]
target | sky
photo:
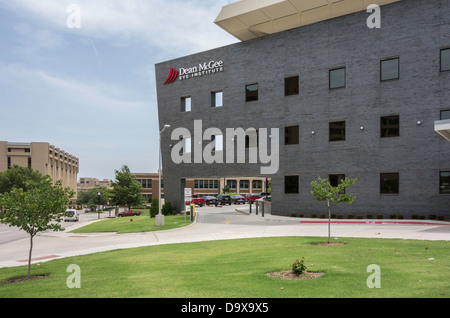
[80, 75]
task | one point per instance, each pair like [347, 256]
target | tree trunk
[329, 221]
[29, 255]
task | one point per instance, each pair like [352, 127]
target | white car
[73, 216]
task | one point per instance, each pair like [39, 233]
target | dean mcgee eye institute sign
[202, 69]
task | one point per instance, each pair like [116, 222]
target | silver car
[72, 216]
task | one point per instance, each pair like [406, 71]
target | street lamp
[98, 206]
[159, 219]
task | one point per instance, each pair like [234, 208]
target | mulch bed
[329, 244]
[289, 275]
[23, 279]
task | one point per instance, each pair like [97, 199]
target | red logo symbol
[172, 76]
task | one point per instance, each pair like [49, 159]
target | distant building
[43, 157]
[85, 184]
[203, 186]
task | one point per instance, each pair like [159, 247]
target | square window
[217, 99]
[389, 183]
[251, 92]
[445, 60]
[444, 182]
[218, 142]
[291, 184]
[291, 85]
[445, 114]
[390, 126]
[335, 179]
[390, 69]
[186, 104]
[337, 78]
[337, 131]
[291, 135]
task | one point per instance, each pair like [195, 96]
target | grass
[238, 268]
[134, 224]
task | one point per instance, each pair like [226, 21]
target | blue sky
[91, 90]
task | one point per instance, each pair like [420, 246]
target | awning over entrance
[250, 19]
[443, 128]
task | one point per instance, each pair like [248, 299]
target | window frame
[214, 96]
[383, 187]
[441, 183]
[296, 188]
[183, 103]
[345, 77]
[444, 111]
[295, 89]
[381, 126]
[398, 69]
[440, 60]
[332, 128]
[248, 94]
[286, 132]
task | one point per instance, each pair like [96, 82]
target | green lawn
[134, 224]
[238, 268]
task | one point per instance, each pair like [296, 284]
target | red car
[128, 213]
[196, 200]
[251, 197]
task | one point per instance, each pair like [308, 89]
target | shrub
[314, 215]
[350, 216]
[322, 216]
[369, 216]
[167, 208]
[299, 266]
[154, 208]
[379, 216]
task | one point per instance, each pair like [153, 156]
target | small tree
[324, 191]
[36, 210]
[126, 188]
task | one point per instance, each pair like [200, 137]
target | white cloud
[174, 25]
[85, 94]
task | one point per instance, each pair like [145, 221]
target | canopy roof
[250, 19]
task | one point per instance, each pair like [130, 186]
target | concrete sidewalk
[226, 224]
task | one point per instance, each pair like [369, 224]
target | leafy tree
[36, 210]
[18, 177]
[126, 188]
[324, 191]
[90, 197]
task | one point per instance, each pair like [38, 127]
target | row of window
[389, 70]
[214, 184]
[389, 127]
[389, 182]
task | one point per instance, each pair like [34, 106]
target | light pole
[159, 219]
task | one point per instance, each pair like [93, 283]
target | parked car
[265, 195]
[211, 200]
[72, 216]
[128, 213]
[238, 199]
[251, 197]
[224, 199]
[195, 199]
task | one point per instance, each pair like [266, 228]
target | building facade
[202, 186]
[85, 184]
[348, 100]
[43, 157]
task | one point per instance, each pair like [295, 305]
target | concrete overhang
[442, 127]
[250, 19]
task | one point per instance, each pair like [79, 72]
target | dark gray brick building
[348, 100]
